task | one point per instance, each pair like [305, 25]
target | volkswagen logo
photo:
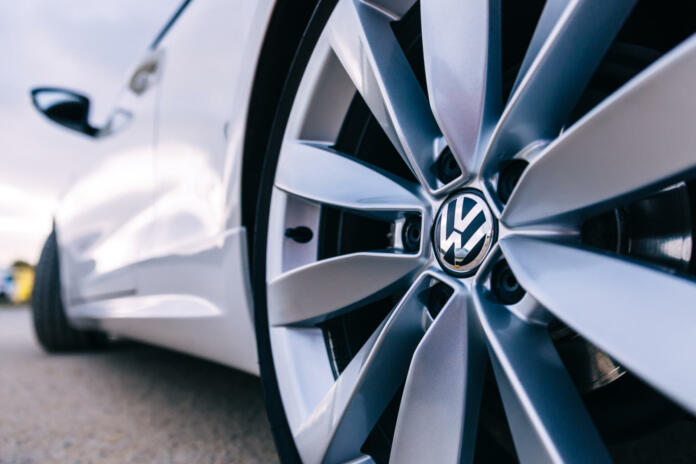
[464, 233]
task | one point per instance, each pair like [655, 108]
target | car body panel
[105, 220]
[185, 282]
[207, 316]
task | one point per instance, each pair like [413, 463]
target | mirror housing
[65, 107]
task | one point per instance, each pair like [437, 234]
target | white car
[440, 231]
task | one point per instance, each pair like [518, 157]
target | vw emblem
[464, 233]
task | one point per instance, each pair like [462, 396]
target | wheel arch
[284, 34]
[282, 57]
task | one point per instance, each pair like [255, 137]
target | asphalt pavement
[127, 404]
[132, 403]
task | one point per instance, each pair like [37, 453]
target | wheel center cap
[464, 232]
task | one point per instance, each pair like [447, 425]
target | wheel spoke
[461, 48]
[548, 421]
[618, 305]
[642, 137]
[341, 422]
[439, 409]
[313, 292]
[364, 42]
[320, 174]
[567, 46]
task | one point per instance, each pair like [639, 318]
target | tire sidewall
[274, 405]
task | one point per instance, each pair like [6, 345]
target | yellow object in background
[23, 277]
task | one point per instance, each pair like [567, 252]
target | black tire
[51, 326]
[274, 406]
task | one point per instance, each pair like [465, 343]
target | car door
[104, 221]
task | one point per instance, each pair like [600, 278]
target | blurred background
[127, 403]
[82, 45]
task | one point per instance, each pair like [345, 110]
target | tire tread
[51, 326]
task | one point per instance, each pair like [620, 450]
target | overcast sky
[85, 45]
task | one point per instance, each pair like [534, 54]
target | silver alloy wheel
[590, 167]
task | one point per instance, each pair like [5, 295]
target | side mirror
[64, 107]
